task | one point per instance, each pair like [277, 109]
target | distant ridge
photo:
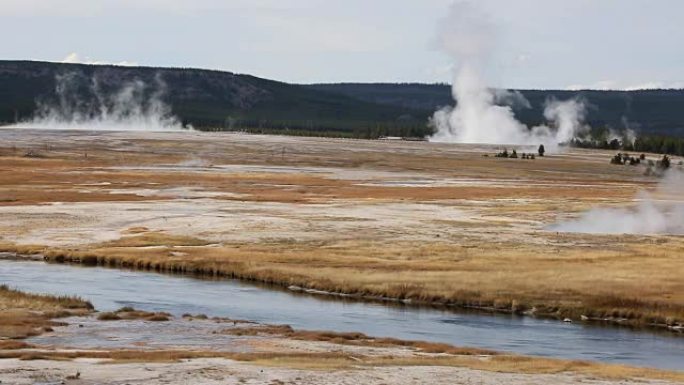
[652, 111]
[211, 99]
[207, 99]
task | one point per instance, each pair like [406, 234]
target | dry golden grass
[13, 345]
[147, 239]
[23, 315]
[115, 355]
[356, 339]
[637, 278]
[11, 299]
[629, 280]
[348, 361]
[68, 177]
[499, 363]
[128, 313]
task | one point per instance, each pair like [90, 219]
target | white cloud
[73, 57]
[522, 58]
[608, 85]
[300, 34]
[98, 7]
[335, 40]
[654, 85]
[29, 8]
[442, 72]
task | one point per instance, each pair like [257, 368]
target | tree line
[645, 143]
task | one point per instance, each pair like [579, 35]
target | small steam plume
[568, 116]
[628, 133]
[661, 212]
[484, 115]
[85, 103]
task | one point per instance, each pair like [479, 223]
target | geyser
[82, 103]
[484, 115]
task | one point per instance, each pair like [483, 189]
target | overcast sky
[540, 44]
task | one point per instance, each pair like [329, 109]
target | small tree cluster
[514, 155]
[621, 158]
[506, 154]
[658, 168]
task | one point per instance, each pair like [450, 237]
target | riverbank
[24, 315]
[180, 294]
[197, 348]
[155, 252]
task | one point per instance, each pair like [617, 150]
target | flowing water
[110, 289]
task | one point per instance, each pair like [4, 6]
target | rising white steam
[661, 212]
[82, 103]
[627, 135]
[568, 117]
[484, 115]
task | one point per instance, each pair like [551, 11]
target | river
[110, 289]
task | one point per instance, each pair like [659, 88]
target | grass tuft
[108, 316]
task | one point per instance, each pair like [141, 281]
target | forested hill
[223, 100]
[659, 112]
[206, 99]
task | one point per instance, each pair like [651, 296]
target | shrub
[158, 317]
[108, 316]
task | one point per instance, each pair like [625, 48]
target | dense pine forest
[219, 100]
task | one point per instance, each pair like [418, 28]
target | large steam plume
[483, 115]
[660, 212]
[84, 103]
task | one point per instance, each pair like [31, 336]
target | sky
[560, 44]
